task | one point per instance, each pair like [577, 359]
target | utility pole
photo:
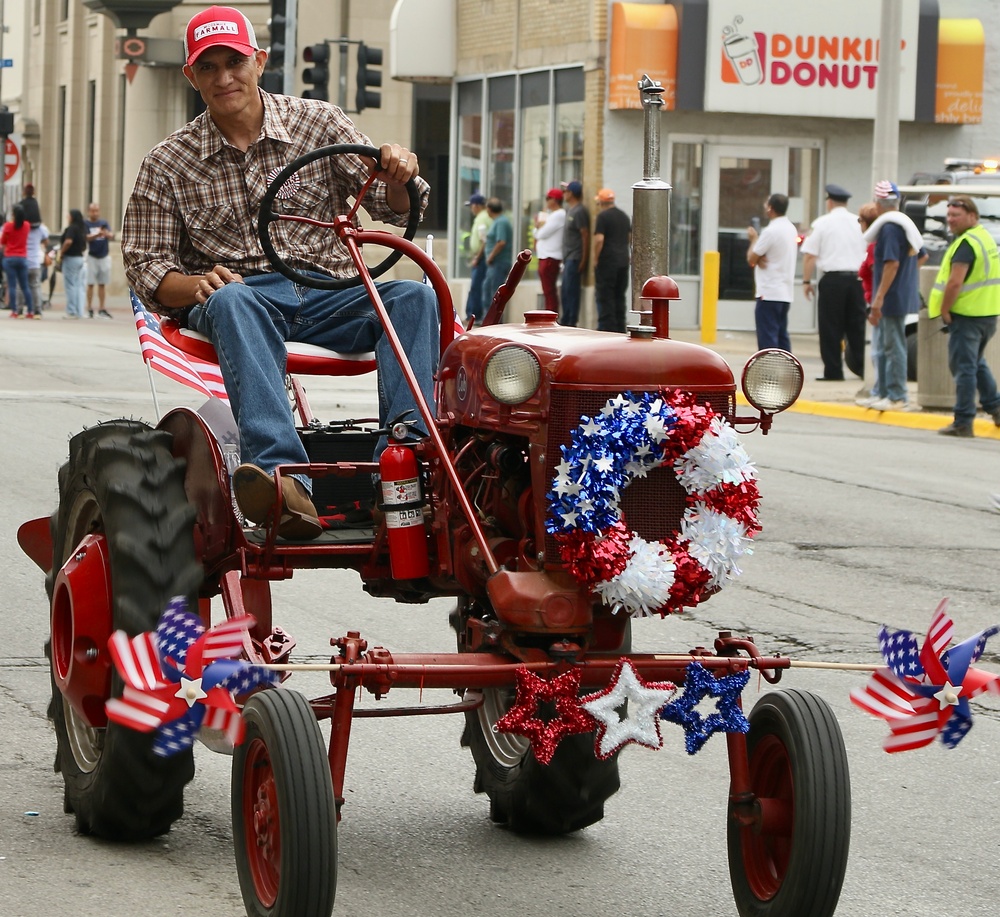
[885, 140]
[345, 30]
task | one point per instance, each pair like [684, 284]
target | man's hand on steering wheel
[396, 167]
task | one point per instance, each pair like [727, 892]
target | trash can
[935, 386]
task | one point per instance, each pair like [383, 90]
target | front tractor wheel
[284, 818]
[124, 490]
[792, 859]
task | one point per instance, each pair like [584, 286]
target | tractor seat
[303, 359]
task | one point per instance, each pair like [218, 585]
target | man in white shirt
[772, 254]
[837, 247]
[549, 226]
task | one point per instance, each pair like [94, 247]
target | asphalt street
[867, 520]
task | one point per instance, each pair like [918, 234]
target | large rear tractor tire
[122, 483]
[529, 797]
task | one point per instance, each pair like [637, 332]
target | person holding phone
[772, 253]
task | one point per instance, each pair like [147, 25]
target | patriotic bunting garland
[632, 435]
[182, 678]
[925, 689]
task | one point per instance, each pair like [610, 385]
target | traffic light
[368, 58]
[318, 75]
[273, 78]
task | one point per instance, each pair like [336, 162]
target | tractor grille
[653, 505]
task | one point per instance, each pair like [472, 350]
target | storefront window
[532, 139]
[803, 186]
[470, 157]
[536, 137]
[500, 161]
[685, 209]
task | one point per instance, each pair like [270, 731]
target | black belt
[840, 273]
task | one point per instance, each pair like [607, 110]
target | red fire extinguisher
[403, 504]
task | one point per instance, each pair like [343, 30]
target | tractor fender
[206, 439]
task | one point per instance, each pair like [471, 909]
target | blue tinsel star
[699, 683]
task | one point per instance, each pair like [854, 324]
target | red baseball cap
[218, 25]
[555, 194]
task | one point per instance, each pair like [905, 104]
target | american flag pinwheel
[182, 677]
[926, 688]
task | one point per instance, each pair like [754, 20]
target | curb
[983, 429]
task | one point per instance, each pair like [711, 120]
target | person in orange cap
[612, 257]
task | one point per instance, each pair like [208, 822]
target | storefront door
[737, 181]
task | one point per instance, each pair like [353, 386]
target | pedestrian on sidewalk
[772, 254]
[71, 252]
[612, 261]
[966, 295]
[576, 250]
[98, 259]
[549, 227]
[14, 242]
[836, 247]
[475, 307]
[897, 294]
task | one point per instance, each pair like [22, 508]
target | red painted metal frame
[378, 671]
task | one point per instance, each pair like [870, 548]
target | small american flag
[159, 353]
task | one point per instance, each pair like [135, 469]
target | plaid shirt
[196, 199]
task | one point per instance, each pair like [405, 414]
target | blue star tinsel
[624, 440]
[700, 683]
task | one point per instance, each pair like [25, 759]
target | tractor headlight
[772, 380]
[512, 374]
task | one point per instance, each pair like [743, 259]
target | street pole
[885, 145]
[885, 133]
[345, 26]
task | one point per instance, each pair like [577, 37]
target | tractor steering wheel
[268, 216]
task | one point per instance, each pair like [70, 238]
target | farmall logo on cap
[215, 28]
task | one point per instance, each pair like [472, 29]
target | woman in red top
[868, 214]
[14, 241]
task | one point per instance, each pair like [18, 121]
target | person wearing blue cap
[836, 247]
[576, 248]
[481, 223]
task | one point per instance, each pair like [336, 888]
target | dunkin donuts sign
[800, 59]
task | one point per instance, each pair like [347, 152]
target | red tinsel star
[570, 717]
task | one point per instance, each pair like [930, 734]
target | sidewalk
[824, 399]
[831, 399]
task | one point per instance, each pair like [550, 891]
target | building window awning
[960, 65]
[643, 41]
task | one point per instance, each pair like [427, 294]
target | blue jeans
[250, 322]
[771, 319]
[891, 367]
[76, 289]
[16, 269]
[967, 339]
[877, 391]
[496, 274]
[570, 312]
[474, 305]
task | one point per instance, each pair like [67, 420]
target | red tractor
[531, 502]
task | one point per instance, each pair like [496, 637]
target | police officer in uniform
[835, 245]
[966, 295]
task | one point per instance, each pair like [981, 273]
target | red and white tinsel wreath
[632, 435]
[641, 724]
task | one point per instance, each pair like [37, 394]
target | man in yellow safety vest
[966, 295]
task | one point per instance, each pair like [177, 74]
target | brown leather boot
[256, 493]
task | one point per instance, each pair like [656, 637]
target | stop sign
[11, 160]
